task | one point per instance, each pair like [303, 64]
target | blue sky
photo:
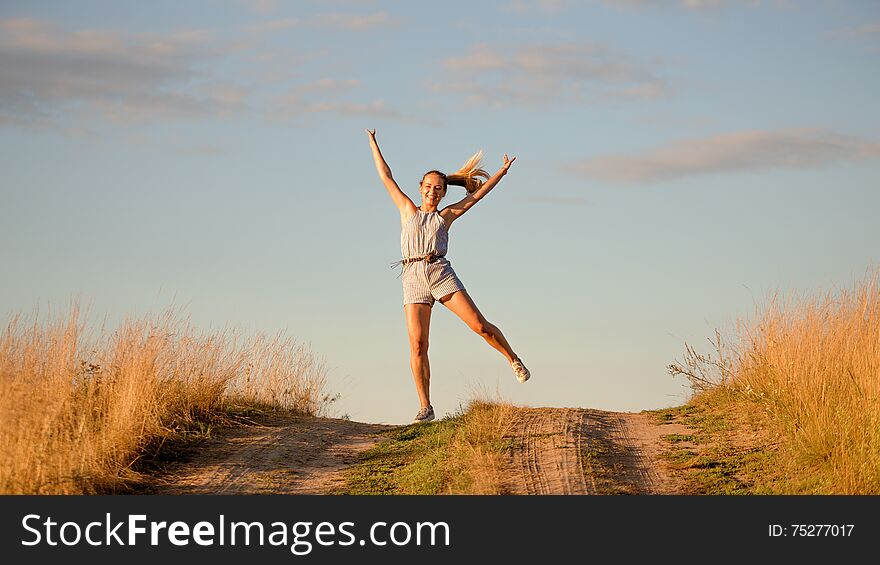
[677, 161]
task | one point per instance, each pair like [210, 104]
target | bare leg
[463, 307]
[418, 321]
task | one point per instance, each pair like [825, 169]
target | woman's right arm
[401, 200]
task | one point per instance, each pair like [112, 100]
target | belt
[429, 258]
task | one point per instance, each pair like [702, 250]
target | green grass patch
[678, 438]
[671, 415]
[725, 451]
[410, 460]
[459, 454]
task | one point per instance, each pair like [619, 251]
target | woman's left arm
[455, 210]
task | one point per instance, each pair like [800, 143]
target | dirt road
[555, 451]
[582, 451]
[281, 455]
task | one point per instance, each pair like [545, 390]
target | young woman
[427, 274]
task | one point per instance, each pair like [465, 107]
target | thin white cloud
[803, 148]
[689, 4]
[331, 22]
[869, 29]
[353, 22]
[259, 6]
[553, 7]
[205, 149]
[303, 98]
[574, 72]
[323, 96]
[276, 25]
[48, 73]
[703, 4]
[375, 108]
[559, 200]
[527, 7]
[358, 3]
[866, 29]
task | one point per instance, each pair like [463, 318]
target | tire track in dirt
[545, 453]
[637, 460]
[553, 451]
[584, 451]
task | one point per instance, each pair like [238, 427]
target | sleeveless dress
[424, 282]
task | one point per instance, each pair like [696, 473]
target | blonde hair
[471, 176]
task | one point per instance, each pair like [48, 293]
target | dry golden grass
[813, 366]
[76, 410]
[477, 449]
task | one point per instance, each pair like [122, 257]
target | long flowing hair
[471, 175]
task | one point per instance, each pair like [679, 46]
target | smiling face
[433, 188]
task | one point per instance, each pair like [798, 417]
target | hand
[372, 133]
[507, 163]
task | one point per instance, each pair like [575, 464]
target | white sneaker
[522, 374]
[424, 415]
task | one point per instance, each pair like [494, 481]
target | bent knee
[482, 327]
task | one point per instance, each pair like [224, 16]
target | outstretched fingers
[508, 162]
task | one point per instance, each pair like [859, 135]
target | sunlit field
[811, 366]
[78, 408]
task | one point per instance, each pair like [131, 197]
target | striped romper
[426, 281]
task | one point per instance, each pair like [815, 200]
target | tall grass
[812, 365]
[477, 452]
[78, 409]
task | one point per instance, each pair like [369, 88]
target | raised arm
[401, 200]
[455, 210]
